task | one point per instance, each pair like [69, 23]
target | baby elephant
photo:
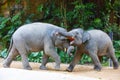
[93, 42]
[35, 37]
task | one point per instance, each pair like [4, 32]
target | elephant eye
[77, 33]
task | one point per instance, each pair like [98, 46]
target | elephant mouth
[71, 38]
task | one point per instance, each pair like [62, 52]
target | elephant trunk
[68, 35]
[70, 50]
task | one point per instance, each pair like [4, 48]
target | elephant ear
[86, 37]
[58, 35]
[54, 34]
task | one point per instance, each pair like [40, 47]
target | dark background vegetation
[69, 14]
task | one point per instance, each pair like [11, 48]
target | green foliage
[65, 58]
[3, 22]
[40, 8]
[81, 15]
[3, 53]
[85, 59]
[117, 49]
[18, 1]
[112, 28]
[35, 56]
[8, 26]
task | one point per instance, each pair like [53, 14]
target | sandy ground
[81, 72]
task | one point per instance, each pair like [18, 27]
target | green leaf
[14, 18]
[4, 53]
[40, 8]
[3, 23]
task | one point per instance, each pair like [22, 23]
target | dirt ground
[81, 72]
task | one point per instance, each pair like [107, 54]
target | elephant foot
[28, 68]
[5, 65]
[97, 68]
[43, 67]
[70, 68]
[116, 65]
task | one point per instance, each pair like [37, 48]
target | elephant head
[80, 36]
[61, 39]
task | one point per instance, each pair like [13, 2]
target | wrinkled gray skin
[93, 42]
[70, 50]
[35, 37]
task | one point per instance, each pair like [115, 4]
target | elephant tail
[11, 44]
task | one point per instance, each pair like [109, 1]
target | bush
[117, 49]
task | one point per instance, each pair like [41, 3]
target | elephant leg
[56, 57]
[44, 62]
[12, 54]
[75, 60]
[100, 58]
[97, 65]
[114, 59]
[23, 52]
[25, 61]
[52, 53]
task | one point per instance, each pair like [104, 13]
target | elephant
[95, 43]
[34, 37]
